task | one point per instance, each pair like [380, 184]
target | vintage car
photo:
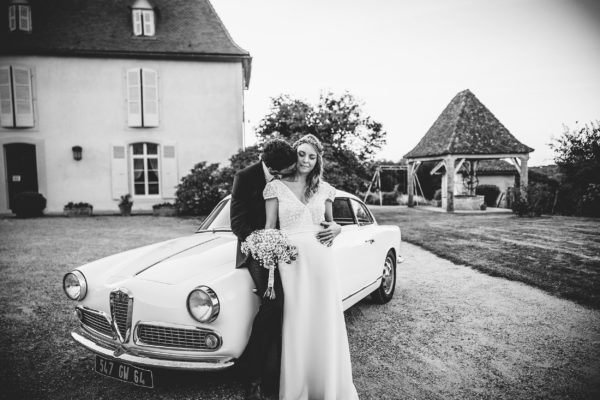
[182, 304]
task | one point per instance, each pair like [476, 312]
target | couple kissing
[298, 347]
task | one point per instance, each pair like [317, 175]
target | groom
[261, 359]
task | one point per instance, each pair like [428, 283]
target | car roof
[338, 193]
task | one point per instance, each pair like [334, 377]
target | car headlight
[74, 285]
[203, 304]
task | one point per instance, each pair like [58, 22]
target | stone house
[103, 98]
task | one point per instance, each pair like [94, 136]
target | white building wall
[82, 101]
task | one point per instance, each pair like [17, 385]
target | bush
[390, 199]
[28, 204]
[163, 205]
[539, 201]
[590, 202]
[490, 194]
[73, 206]
[203, 188]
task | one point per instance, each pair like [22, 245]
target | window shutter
[24, 18]
[118, 171]
[137, 22]
[12, 18]
[170, 177]
[150, 101]
[6, 105]
[148, 23]
[134, 98]
[23, 97]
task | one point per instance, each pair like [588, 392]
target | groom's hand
[328, 233]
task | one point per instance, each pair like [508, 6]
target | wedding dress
[315, 358]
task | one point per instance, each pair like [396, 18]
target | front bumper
[151, 358]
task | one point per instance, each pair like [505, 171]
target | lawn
[555, 253]
[449, 332]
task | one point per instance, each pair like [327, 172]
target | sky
[535, 64]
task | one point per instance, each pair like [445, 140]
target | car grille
[120, 307]
[162, 336]
[96, 322]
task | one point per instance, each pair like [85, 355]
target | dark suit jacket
[247, 205]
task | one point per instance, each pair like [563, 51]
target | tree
[578, 157]
[350, 139]
[203, 188]
[244, 157]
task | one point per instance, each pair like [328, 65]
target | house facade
[100, 99]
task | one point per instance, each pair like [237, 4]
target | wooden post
[449, 162]
[410, 184]
[524, 178]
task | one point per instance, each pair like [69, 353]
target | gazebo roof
[467, 127]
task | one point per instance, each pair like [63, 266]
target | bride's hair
[313, 179]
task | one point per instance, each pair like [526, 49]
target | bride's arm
[271, 210]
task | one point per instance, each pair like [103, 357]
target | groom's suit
[261, 358]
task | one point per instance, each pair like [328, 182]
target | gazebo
[465, 133]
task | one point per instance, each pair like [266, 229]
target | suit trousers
[262, 358]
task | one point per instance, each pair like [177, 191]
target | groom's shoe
[254, 392]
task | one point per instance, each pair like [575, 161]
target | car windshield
[218, 219]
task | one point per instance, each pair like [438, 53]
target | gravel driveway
[449, 333]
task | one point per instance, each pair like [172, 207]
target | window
[145, 169]
[342, 213]
[16, 100]
[19, 17]
[143, 22]
[142, 97]
[362, 213]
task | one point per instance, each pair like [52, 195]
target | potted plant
[78, 209]
[164, 210]
[125, 204]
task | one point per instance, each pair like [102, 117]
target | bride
[315, 359]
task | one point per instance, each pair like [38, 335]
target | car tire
[385, 291]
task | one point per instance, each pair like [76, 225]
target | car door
[368, 259]
[346, 247]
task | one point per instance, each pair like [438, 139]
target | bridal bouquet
[269, 246]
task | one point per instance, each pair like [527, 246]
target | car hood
[207, 254]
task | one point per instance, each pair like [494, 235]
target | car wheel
[385, 291]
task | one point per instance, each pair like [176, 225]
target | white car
[182, 304]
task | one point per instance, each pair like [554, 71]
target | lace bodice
[292, 212]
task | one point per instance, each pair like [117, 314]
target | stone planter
[125, 209]
[164, 212]
[78, 212]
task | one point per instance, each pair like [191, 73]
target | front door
[21, 169]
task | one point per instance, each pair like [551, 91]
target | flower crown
[310, 139]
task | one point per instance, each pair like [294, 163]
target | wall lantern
[77, 153]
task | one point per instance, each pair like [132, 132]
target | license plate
[124, 372]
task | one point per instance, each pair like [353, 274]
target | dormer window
[19, 16]
[142, 15]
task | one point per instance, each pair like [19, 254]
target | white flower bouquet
[269, 246]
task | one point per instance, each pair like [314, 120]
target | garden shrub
[203, 188]
[490, 194]
[539, 201]
[590, 202]
[390, 199]
[28, 204]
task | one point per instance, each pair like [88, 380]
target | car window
[342, 213]
[218, 218]
[362, 213]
